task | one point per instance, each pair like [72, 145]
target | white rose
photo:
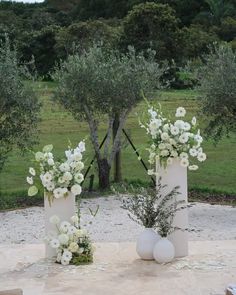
[50, 186]
[162, 146]
[63, 239]
[174, 154]
[76, 189]
[32, 171]
[164, 153]
[47, 177]
[50, 162]
[77, 157]
[79, 166]
[180, 112]
[164, 136]
[39, 156]
[73, 247]
[54, 219]
[67, 176]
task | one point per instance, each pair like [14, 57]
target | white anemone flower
[194, 121]
[179, 124]
[32, 171]
[50, 186]
[187, 126]
[67, 255]
[71, 230]
[193, 167]
[58, 193]
[183, 155]
[180, 112]
[64, 226]
[67, 176]
[193, 152]
[184, 162]
[55, 243]
[79, 177]
[183, 138]
[82, 146]
[64, 261]
[201, 157]
[50, 162]
[174, 130]
[30, 180]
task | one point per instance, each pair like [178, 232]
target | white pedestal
[64, 209]
[176, 175]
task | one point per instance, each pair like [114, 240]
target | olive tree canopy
[19, 107]
[101, 82]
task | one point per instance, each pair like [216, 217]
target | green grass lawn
[57, 127]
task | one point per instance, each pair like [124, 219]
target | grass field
[217, 174]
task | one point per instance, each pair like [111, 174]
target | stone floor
[209, 268]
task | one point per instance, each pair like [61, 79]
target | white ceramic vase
[146, 242]
[164, 251]
[64, 208]
[176, 175]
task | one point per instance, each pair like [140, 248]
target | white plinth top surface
[209, 268]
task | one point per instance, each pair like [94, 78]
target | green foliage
[227, 29]
[152, 26]
[218, 87]
[19, 106]
[40, 46]
[87, 256]
[153, 207]
[196, 41]
[83, 35]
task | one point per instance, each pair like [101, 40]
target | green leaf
[48, 148]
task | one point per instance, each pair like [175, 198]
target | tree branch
[93, 126]
[109, 134]
[116, 143]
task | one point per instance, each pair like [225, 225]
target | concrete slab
[210, 267]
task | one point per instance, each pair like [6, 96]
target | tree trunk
[117, 161]
[103, 173]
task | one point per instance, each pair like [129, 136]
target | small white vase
[146, 242]
[164, 251]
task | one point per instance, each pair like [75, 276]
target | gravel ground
[208, 222]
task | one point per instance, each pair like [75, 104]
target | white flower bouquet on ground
[173, 139]
[58, 177]
[71, 243]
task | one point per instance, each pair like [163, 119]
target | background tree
[104, 83]
[153, 26]
[19, 107]
[218, 87]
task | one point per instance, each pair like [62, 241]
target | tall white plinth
[176, 175]
[64, 208]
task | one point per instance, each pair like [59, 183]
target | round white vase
[146, 242]
[164, 251]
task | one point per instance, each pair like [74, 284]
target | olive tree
[217, 78]
[104, 84]
[19, 106]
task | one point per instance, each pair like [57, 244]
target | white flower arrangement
[61, 177]
[171, 140]
[71, 243]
